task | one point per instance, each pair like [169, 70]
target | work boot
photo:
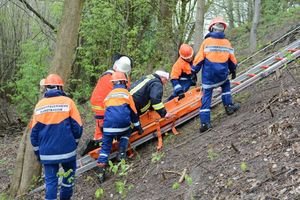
[101, 171]
[92, 145]
[121, 155]
[232, 108]
[205, 127]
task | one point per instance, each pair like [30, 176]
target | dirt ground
[253, 154]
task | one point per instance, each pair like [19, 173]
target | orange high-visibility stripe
[215, 56]
[117, 101]
[103, 88]
[180, 67]
[46, 113]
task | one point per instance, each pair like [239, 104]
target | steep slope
[253, 154]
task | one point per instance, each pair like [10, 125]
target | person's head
[217, 25]
[164, 76]
[186, 52]
[123, 64]
[53, 82]
[118, 78]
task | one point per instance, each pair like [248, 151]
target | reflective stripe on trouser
[185, 84]
[226, 94]
[98, 133]
[51, 180]
[204, 111]
[107, 141]
[206, 101]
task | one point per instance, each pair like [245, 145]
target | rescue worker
[181, 74]
[148, 91]
[216, 58]
[104, 86]
[120, 112]
[56, 128]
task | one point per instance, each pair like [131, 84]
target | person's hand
[140, 130]
[38, 158]
[193, 79]
[169, 115]
[181, 96]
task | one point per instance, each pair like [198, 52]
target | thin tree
[253, 32]
[198, 36]
[230, 14]
[26, 165]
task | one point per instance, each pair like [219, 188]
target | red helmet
[186, 51]
[54, 79]
[118, 76]
[216, 21]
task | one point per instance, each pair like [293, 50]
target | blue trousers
[51, 179]
[107, 141]
[206, 101]
[185, 84]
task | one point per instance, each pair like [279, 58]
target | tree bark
[67, 39]
[27, 166]
[250, 10]
[198, 36]
[230, 14]
[238, 10]
[255, 21]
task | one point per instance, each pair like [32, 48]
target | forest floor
[253, 154]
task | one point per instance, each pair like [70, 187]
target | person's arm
[34, 137]
[156, 93]
[76, 123]
[134, 116]
[232, 63]
[198, 60]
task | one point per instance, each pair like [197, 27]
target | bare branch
[37, 14]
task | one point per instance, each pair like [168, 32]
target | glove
[193, 79]
[233, 75]
[38, 158]
[181, 96]
[140, 130]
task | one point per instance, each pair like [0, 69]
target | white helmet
[123, 64]
[162, 73]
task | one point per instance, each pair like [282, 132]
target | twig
[268, 105]
[183, 143]
[215, 131]
[182, 176]
[37, 14]
[272, 114]
[264, 181]
[293, 140]
[293, 77]
[234, 148]
[172, 172]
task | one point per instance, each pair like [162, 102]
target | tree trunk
[253, 31]
[166, 11]
[198, 35]
[250, 10]
[27, 166]
[230, 14]
[238, 10]
[67, 39]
